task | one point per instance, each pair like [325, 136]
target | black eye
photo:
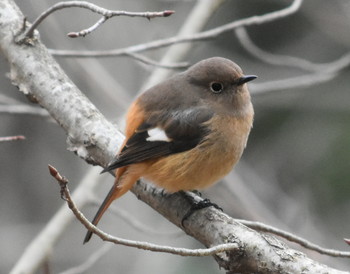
[216, 87]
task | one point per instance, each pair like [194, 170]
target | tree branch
[232, 248]
[195, 22]
[84, 32]
[54, 91]
[65, 194]
[293, 238]
[23, 109]
[12, 138]
[275, 59]
[162, 65]
[319, 73]
[209, 34]
[94, 8]
[96, 140]
[136, 224]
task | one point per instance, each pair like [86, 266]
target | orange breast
[204, 165]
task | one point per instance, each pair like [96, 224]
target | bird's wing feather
[184, 129]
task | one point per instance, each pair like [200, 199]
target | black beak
[245, 79]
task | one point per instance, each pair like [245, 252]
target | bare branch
[136, 224]
[196, 20]
[282, 60]
[274, 59]
[50, 79]
[183, 251]
[87, 31]
[334, 68]
[209, 34]
[294, 82]
[65, 193]
[23, 109]
[12, 138]
[8, 100]
[320, 72]
[39, 248]
[148, 61]
[296, 239]
[94, 8]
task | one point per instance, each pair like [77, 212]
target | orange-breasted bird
[186, 132]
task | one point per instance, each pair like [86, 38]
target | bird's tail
[121, 185]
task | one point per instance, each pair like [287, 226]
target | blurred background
[293, 175]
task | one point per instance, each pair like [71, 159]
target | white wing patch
[157, 134]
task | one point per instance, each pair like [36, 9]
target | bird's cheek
[238, 89]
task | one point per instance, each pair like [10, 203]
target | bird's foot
[196, 205]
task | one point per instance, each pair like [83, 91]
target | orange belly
[203, 165]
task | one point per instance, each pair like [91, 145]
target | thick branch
[36, 74]
[65, 194]
[293, 238]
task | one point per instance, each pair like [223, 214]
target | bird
[185, 133]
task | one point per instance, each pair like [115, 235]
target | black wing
[185, 129]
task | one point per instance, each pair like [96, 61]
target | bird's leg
[191, 197]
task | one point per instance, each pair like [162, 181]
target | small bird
[186, 132]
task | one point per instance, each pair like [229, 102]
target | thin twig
[87, 31]
[294, 82]
[148, 61]
[94, 8]
[184, 251]
[4, 99]
[65, 193]
[293, 238]
[320, 72]
[209, 34]
[330, 71]
[291, 61]
[275, 59]
[137, 225]
[195, 22]
[12, 138]
[23, 109]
